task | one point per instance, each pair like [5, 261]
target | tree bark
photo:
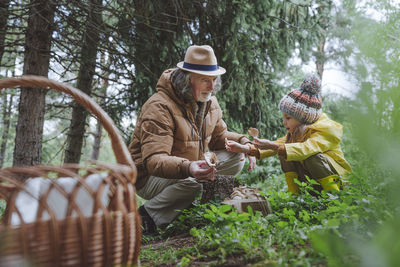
[320, 59]
[29, 130]
[103, 93]
[7, 106]
[97, 141]
[85, 78]
[3, 24]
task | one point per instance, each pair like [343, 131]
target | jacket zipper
[200, 133]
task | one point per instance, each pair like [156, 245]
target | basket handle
[120, 150]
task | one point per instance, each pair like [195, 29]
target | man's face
[202, 86]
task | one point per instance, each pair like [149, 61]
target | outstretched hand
[264, 143]
[201, 171]
[233, 146]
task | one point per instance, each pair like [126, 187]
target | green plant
[265, 169]
[229, 232]
[186, 220]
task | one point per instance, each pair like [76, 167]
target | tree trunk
[103, 93]
[6, 126]
[321, 59]
[29, 130]
[3, 24]
[97, 141]
[85, 78]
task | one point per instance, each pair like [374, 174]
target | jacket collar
[164, 85]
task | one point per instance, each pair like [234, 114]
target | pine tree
[28, 140]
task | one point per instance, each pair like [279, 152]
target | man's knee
[183, 188]
[189, 186]
[156, 185]
[230, 163]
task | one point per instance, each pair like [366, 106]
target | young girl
[312, 144]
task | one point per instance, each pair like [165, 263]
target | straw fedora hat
[201, 60]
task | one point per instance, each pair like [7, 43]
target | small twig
[393, 37]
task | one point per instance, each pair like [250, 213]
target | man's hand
[252, 163]
[201, 171]
[233, 146]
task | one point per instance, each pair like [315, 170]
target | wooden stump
[220, 188]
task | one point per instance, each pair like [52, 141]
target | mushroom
[244, 192]
[211, 159]
[237, 195]
[253, 132]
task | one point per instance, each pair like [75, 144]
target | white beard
[203, 98]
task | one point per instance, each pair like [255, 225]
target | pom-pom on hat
[304, 103]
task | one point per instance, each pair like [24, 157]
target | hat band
[190, 66]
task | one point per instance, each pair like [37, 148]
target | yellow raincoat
[324, 137]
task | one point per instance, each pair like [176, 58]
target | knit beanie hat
[304, 103]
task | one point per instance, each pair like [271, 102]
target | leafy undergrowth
[303, 230]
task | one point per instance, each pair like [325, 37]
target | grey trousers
[165, 196]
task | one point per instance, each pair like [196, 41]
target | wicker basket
[108, 236]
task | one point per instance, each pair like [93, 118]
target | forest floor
[176, 242]
[182, 241]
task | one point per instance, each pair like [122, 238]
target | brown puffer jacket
[166, 138]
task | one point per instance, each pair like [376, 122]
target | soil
[176, 242]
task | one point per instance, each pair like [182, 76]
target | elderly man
[176, 126]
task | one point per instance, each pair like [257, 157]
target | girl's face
[290, 123]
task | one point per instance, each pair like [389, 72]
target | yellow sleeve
[269, 152]
[318, 142]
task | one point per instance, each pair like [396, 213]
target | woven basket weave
[109, 236]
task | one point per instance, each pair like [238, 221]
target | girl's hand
[233, 146]
[264, 144]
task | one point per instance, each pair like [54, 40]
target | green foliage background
[360, 225]
[254, 41]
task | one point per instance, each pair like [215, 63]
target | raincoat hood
[329, 127]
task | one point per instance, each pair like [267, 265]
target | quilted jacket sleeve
[157, 139]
